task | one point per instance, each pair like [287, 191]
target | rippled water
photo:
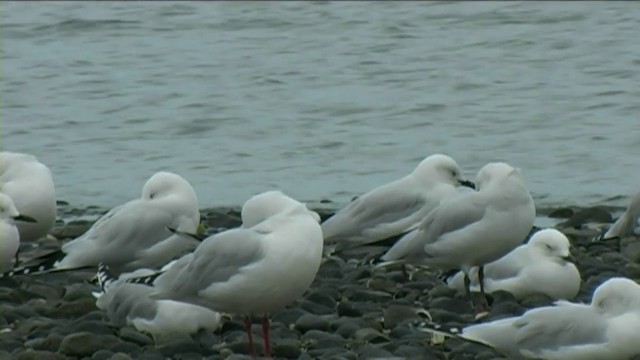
[322, 99]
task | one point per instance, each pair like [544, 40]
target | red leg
[247, 328]
[265, 335]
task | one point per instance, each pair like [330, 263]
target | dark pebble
[10, 344]
[181, 345]
[314, 308]
[321, 298]
[287, 316]
[312, 322]
[346, 308]
[50, 343]
[38, 355]
[287, 348]
[370, 351]
[103, 355]
[369, 335]
[86, 344]
[121, 356]
[125, 347]
[317, 339]
[132, 335]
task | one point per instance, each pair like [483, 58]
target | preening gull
[29, 184]
[134, 235]
[397, 207]
[541, 266]
[607, 328]
[130, 304]
[472, 228]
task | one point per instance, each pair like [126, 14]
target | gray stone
[370, 351]
[86, 344]
[182, 345]
[317, 339]
[346, 308]
[287, 348]
[10, 344]
[30, 354]
[125, 347]
[50, 343]
[312, 322]
[369, 335]
[102, 355]
[314, 308]
[121, 356]
[134, 336]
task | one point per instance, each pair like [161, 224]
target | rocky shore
[352, 311]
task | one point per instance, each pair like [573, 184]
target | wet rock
[317, 339]
[287, 316]
[132, 335]
[314, 308]
[121, 356]
[86, 344]
[321, 298]
[180, 345]
[346, 308]
[312, 322]
[125, 347]
[72, 309]
[369, 335]
[370, 351]
[50, 343]
[287, 348]
[105, 355]
[38, 355]
[10, 344]
[75, 292]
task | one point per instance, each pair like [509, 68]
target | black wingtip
[145, 280]
[40, 265]
[105, 276]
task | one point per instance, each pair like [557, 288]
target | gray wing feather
[217, 259]
[377, 209]
[120, 236]
[452, 215]
[552, 328]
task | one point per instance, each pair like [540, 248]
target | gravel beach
[352, 311]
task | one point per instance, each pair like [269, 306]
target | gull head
[551, 243]
[617, 296]
[269, 203]
[163, 184]
[9, 212]
[443, 168]
[495, 172]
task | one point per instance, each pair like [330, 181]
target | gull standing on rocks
[606, 329]
[397, 207]
[251, 270]
[29, 184]
[541, 266]
[9, 236]
[472, 228]
[629, 223]
[134, 235]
